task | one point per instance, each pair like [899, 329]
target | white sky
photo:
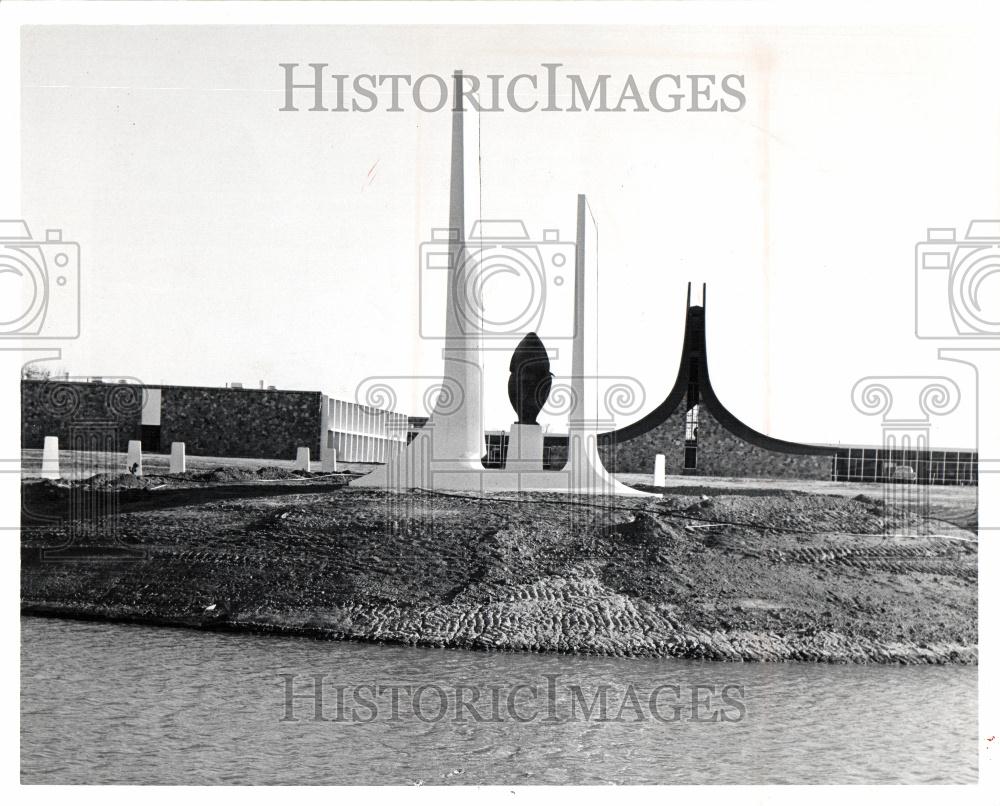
[225, 241]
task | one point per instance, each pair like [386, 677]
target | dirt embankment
[753, 575]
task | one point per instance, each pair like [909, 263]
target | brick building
[211, 421]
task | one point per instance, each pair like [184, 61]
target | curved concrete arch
[694, 369]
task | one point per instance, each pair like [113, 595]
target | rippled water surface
[108, 703]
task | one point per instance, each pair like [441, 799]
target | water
[107, 703]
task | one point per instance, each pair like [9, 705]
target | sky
[223, 240]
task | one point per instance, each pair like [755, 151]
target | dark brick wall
[240, 422]
[637, 455]
[54, 408]
[721, 453]
[210, 421]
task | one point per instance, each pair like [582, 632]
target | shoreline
[730, 576]
[827, 648]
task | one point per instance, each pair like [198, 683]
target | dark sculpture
[530, 380]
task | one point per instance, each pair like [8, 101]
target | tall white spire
[458, 429]
[453, 440]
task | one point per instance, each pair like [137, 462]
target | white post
[660, 471]
[133, 460]
[50, 458]
[302, 459]
[178, 462]
[330, 461]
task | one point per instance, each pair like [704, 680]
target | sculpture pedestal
[525, 448]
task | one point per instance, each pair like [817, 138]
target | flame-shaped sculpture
[530, 380]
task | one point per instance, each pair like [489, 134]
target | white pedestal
[660, 471]
[50, 458]
[525, 449]
[133, 460]
[302, 459]
[178, 462]
[330, 461]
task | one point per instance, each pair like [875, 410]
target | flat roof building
[229, 421]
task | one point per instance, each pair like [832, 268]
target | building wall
[211, 421]
[721, 453]
[638, 454]
[361, 433]
[262, 424]
[57, 408]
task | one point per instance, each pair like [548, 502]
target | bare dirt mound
[228, 475]
[728, 577]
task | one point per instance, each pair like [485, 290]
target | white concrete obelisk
[458, 429]
[587, 473]
[452, 443]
